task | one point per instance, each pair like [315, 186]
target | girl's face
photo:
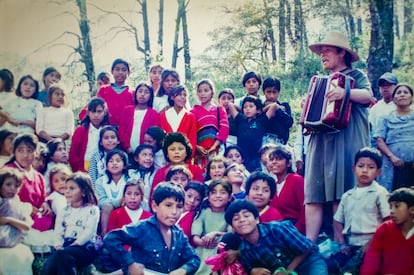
[225, 99]
[150, 141]
[234, 156]
[180, 179]
[109, 140]
[39, 162]
[278, 165]
[143, 95]
[192, 200]
[60, 155]
[169, 83]
[115, 165]
[96, 117]
[133, 197]
[59, 182]
[51, 79]
[145, 158]
[259, 194]
[176, 153]
[57, 99]
[27, 88]
[180, 99]
[235, 174]
[24, 155]
[9, 188]
[403, 97]
[205, 94]
[217, 170]
[74, 195]
[155, 76]
[120, 73]
[218, 198]
[7, 148]
[250, 110]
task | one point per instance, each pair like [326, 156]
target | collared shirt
[149, 248]
[117, 89]
[93, 141]
[279, 243]
[173, 118]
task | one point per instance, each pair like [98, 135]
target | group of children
[164, 183]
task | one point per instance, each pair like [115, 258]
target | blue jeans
[314, 264]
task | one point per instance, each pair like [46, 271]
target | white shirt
[93, 141]
[160, 102]
[173, 118]
[380, 109]
[136, 128]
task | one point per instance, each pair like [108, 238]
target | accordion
[321, 115]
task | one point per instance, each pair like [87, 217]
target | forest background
[219, 40]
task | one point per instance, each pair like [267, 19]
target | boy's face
[236, 174]
[259, 194]
[271, 94]
[250, 110]
[366, 171]
[120, 73]
[168, 212]
[400, 212]
[244, 222]
[252, 86]
[180, 179]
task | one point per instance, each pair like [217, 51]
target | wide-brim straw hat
[334, 39]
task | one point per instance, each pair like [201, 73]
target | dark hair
[124, 158]
[135, 165]
[134, 182]
[214, 159]
[226, 91]
[210, 188]
[234, 147]
[271, 82]
[231, 166]
[120, 61]
[258, 175]
[255, 100]
[178, 169]
[83, 180]
[51, 90]
[369, 152]
[104, 76]
[36, 84]
[410, 89]
[105, 129]
[170, 138]
[8, 172]
[174, 92]
[403, 194]
[347, 56]
[8, 79]
[50, 70]
[281, 152]
[206, 81]
[199, 187]
[158, 134]
[52, 146]
[30, 140]
[94, 102]
[165, 73]
[43, 153]
[166, 190]
[151, 91]
[249, 75]
[237, 206]
[58, 168]
[267, 146]
[5, 133]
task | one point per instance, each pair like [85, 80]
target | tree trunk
[147, 45]
[351, 22]
[186, 43]
[269, 31]
[408, 17]
[85, 49]
[176, 35]
[160, 30]
[282, 33]
[381, 47]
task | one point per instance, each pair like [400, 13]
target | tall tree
[176, 50]
[282, 33]
[270, 36]
[147, 45]
[160, 30]
[381, 48]
[186, 42]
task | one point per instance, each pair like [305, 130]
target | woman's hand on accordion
[335, 92]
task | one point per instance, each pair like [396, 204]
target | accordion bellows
[321, 115]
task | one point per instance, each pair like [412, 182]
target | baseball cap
[388, 77]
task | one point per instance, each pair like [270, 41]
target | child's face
[155, 75]
[180, 179]
[9, 188]
[244, 222]
[150, 141]
[74, 195]
[142, 95]
[24, 155]
[96, 117]
[109, 141]
[234, 156]
[57, 99]
[218, 198]
[60, 155]
[59, 182]
[400, 212]
[235, 174]
[39, 162]
[120, 73]
[225, 99]
[115, 165]
[259, 194]
[252, 86]
[366, 171]
[271, 94]
[278, 165]
[27, 88]
[7, 148]
[102, 82]
[169, 83]
[168, 212]
[250, 110]
[145, 158]
[217, 170]
[133, 197]
[176, 153]
[180, 100]
[204, 93]
[264, 157]
[50, 79]
[192, 200]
